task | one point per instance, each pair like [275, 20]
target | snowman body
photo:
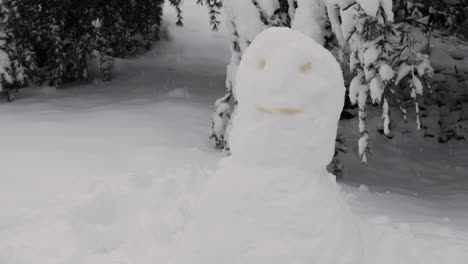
[273, 201]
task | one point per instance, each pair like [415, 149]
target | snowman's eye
[306, 67]
[262, 64]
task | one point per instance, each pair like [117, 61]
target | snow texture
[371, 7]
[107, 173]
[273, 201]
[376, 89]
[357, 89]
[246, 18]
[309, 19]
[347, 21]
[5, 64]
[386, 72]
[386, 117]
[269, 6]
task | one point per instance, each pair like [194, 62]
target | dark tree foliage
[442, 20]
[214, 10]
[177, 5]
[51, 41]
[448, 16]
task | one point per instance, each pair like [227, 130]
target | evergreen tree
[387, 66]
[17, 55]
[441, 20]
[52, 41]
[6, 79]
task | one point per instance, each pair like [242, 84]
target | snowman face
[304, 69]
[290, 93]
[285, 73]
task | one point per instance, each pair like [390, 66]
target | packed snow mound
[272, 201]
[285, 76]
[259, 215]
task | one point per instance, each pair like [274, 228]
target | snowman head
[290, 92]
[286, 73]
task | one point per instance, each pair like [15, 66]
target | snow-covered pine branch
[214, 10]
[382, 55]
[177, 4]
[378, 45]
[367, 29]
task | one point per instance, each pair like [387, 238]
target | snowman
[273, 201]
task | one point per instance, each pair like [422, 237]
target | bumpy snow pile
[270, 202]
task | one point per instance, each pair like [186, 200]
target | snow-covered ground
[106, 172]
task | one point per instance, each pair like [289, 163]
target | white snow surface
[107, 173]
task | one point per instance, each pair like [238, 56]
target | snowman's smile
[285, 111]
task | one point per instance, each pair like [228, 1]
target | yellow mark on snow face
[285, 111]
[290, 111]
[262, 64]
[262, 109]
[306, 68]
